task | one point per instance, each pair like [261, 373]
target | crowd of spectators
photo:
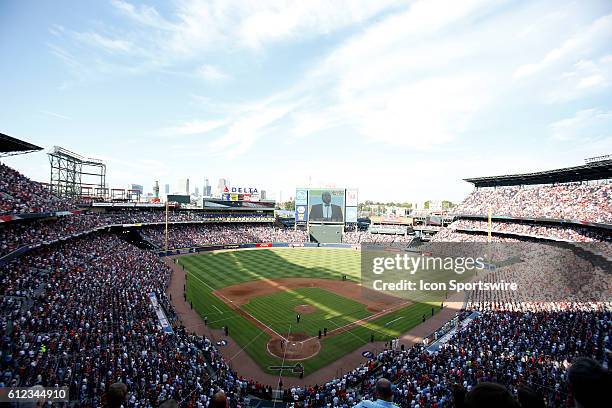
[466, 230]
[357, 237]
[194, 235]
[565, 233]
[230, 229]
[523, 340]
[20, 195]
[77, 313]
[450, 235]
[517, 348]
[131, 216]
[545, 274]
[185, 236]
[31, 232]
[583, 202]
[88, 323]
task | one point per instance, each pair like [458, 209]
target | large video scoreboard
[325, 205]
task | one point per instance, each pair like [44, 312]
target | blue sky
[399, 99]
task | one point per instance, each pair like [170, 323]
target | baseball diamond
[258, 295]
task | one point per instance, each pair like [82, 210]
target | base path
[240, 361]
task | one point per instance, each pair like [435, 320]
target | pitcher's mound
[305, 309]
[297, 346]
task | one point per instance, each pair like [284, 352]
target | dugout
[325, 234]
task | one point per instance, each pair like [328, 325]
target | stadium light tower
[68, 169]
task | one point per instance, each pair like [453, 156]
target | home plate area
[294, 347]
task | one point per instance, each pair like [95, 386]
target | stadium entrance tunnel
[294, 347]
[134, 237]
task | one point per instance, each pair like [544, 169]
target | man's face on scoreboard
[326, 197]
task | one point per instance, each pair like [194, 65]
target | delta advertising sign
[241, 190]
[240, 194]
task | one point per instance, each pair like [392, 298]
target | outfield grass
[214, 270]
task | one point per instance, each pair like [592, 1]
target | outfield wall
[207, 248]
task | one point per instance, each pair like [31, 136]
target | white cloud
[307, 123]
[591, 82]
[244, 131]
[212, 74]
[578, 44]
[585, 77]
[106, 43]
[420, 77]
[56, 30]
[195, 30]
[277, 21]
[420, 114]
[199, 25]
[385, 86]
[587, 124]
[425, 76]
[55, 115]
[145, 15]
[392, 89]
[194, 127]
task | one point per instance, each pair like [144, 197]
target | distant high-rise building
[262, 194]
[196, 191]
[167, 189]
[207, 190]
[183, 186]
[136, 187]
[222, 184]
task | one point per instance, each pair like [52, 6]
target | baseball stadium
[272, 311]
[306, 204]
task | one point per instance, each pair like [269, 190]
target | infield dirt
[377, 303]
[242, 293]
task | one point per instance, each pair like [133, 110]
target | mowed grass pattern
[332, 311]
[224, 268]
[214, 270]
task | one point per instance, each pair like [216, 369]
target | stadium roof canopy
[596, 170]
[10, 146]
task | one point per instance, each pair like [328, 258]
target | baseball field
[275, 301]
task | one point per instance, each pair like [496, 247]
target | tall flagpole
[166, 225]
